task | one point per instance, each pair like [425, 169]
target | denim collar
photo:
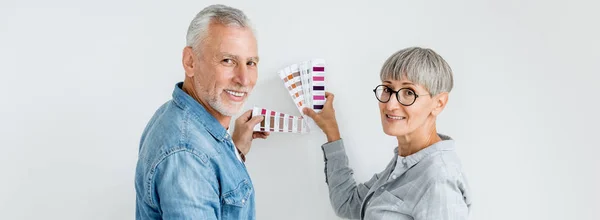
[189, 104]
[446, 144]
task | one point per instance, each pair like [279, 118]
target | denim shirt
[427, 185]
[188, 167]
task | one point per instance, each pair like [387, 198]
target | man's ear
[189, 61]
[440, 103]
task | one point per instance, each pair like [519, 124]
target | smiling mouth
[395, 117]
[236, 94]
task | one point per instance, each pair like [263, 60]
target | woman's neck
[417, 140]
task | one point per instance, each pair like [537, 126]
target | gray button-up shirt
[428, 184]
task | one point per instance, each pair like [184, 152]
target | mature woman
[424, 179]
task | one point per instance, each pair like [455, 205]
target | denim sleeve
[345, 195]
[185, 187]
[441, 200]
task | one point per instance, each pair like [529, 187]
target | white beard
[226, 109]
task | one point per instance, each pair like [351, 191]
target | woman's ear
[440, 103]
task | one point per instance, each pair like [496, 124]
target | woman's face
[398, 119]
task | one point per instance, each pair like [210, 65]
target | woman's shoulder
[441, 166]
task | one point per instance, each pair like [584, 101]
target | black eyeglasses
[405, 96]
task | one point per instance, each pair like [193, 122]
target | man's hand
[242, 133]
[326, 119]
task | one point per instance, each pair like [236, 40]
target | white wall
[79, 80]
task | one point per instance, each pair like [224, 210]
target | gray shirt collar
[447, 143]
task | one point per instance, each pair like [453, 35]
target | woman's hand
[326, 119]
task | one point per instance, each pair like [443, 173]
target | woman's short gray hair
[218, 13]
[422, 66]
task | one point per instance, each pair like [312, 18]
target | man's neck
[190, 89]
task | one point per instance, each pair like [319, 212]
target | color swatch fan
[305, 82]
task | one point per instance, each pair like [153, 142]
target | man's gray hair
[220, 14]
[422, 66]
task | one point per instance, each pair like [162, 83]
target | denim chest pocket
[240, 196]
[236, 203]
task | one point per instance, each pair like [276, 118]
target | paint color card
[292, 82]
[279, 122]
[301, 101]
[306, 82]
[318, 84]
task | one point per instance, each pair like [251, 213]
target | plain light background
[80, 79]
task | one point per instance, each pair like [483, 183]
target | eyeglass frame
[396, 93]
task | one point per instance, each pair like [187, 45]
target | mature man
[189, 166]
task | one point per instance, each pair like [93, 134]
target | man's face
[226, 68]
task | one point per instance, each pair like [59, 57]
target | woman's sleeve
[345, 195]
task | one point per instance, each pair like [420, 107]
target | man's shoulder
[173, 128]
[165, 125]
